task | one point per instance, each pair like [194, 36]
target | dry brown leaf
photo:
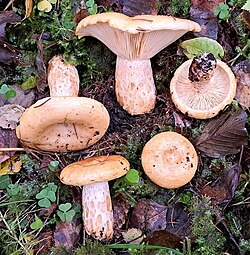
[8, 139]
[224, 136]
[223, 189]
[10, 115]
[133, 236]
[28, 8]
[11, 166]
[242, 75]
[67, 233]
[149, 216]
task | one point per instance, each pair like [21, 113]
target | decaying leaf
[120, 212]
[242, 75]
[139, 7]
[245, 161]
[28, 8]
[41, 67]
[224, 136]
[149, 216]
[8, 139]
[67, 233]
[223, 189]
[10, 115]
[11, 166]
[202, 12]
[163, 238]
[25, 98]
[8, 53]
[194, 47]
[133, 236]
[178, 222]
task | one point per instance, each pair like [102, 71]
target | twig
[11, 149]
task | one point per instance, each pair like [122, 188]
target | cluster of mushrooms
[168, 159]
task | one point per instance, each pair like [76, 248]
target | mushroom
[169, 160]
[203, 86]
[93, 175]
[135, 40]
[63, 121]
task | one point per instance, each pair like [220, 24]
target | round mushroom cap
[63, 124]
[203, 100]
[169, 160]
[94, 169]
[138, 37]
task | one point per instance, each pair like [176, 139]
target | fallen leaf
[11, 166]
[28, 8]
[194, 47]
[67, 233]
[224, 135]
[120, 212]
[242, 75]
[8, 139]
[25, 98]
[223, 189]
[139, 7]
[8, 53]
[133, 236]
[202, 12]
[10, 115]
[178, 222]
[180, 121]
[163, 238]
[245, 161]
[7, 17]
[149, 216]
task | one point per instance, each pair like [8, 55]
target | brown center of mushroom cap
[169, 160]
[94, 169]
[63, 123]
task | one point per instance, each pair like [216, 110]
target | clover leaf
[65, 212]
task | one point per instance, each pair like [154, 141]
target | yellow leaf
[11, 166]
[28, 8]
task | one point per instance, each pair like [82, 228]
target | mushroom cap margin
[94, 169]
[169, 160]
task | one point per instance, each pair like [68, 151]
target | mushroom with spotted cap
[93, 175]
[135, 40]
[202, 87]
[169, 160]
[63, 121]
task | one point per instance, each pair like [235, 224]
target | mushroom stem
[97, 210]
[135, 88]
[63, 79]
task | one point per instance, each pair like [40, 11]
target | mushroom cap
[205, 99]
[94, 169]
[63, 123]
[138, 37]
[169, 160]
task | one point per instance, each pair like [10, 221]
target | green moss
[208, 239]
[179, 8]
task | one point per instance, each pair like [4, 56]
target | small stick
[11, 149]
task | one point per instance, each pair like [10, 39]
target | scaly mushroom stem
[63, 79]
[97, 210]
[135, 88]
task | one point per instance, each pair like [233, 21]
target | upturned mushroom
[202, 87]
[93, 175]
[63, 121]
[135, 40]
[169, 160]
